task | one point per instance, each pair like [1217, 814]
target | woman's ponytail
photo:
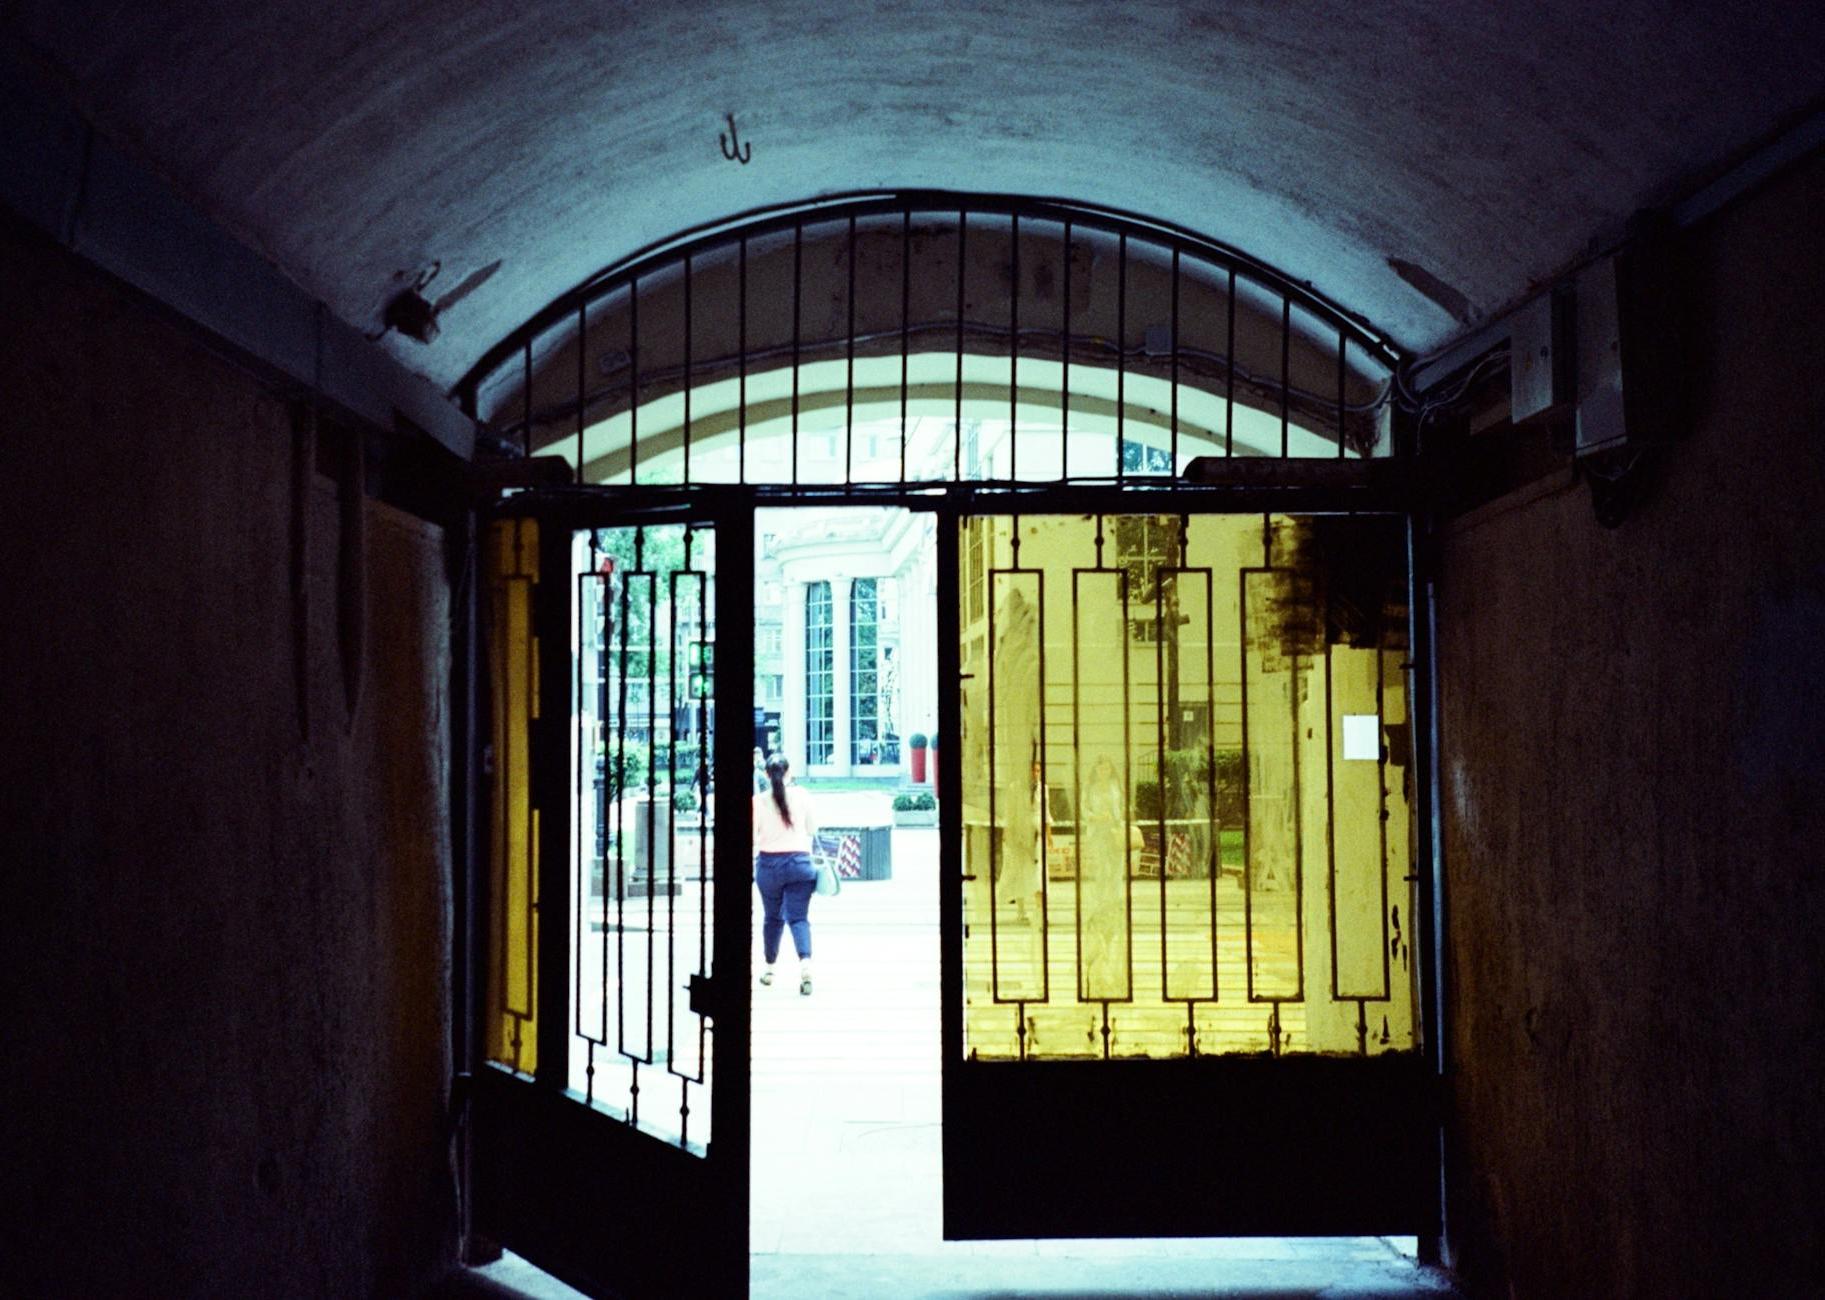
[776, 777]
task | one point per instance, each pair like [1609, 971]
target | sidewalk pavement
[847, 1169]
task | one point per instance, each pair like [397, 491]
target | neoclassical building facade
[845, 637]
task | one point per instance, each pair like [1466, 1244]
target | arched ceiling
[1422, 164]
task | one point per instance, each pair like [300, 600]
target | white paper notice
[1362, 736]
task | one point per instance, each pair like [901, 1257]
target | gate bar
[950, 837]
[779, 218]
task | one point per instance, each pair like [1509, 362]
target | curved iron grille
[911, 338]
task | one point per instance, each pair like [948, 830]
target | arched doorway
[1183, 896]
[907, 310]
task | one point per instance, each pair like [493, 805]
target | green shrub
[1188, 781]
[916, 740]
[1232, 808]
[631, 775]
[914, 801]
[684, 800]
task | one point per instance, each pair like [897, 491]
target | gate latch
[703, 996]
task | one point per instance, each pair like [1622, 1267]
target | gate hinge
[456, 1112]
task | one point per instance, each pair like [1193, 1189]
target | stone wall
[1634, 806]
[226, 919]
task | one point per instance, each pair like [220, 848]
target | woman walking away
[783, 826]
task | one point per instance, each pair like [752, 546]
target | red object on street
[932, 763]
[918, 765]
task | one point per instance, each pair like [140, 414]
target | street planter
[915, 808]
[649, 869]
[857, 852]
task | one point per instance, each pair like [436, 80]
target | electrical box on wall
[1630, 365]
[1542, 358]
[1601, 414]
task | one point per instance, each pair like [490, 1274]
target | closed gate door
[1182, 985]
[610, 1136]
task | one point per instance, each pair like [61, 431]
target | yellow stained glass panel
[512, 565]
[1185, 777]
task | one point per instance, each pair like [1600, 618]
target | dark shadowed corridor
[1369, 774]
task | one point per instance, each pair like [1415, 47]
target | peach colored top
[771, 834]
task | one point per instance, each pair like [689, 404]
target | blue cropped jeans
[785, 881]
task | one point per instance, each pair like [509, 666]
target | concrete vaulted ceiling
[1422, 164]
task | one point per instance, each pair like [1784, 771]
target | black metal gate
[1000, 361]
[1183, 991]
[611, 1095]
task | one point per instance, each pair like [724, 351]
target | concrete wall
[227, 939]
[1634, 808]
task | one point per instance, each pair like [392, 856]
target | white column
[893, 698]
[840, 756]
[792, 700]
[913, 635]
[918, 649]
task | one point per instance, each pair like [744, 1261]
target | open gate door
[610, 1129]
[1181, 967]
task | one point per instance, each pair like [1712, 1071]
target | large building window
[864, 672]
[820, 675]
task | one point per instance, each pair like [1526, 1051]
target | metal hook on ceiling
[732, 148]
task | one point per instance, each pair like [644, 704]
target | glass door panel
[510, 1017]
[1181, 836]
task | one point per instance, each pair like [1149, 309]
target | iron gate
[995, 360]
